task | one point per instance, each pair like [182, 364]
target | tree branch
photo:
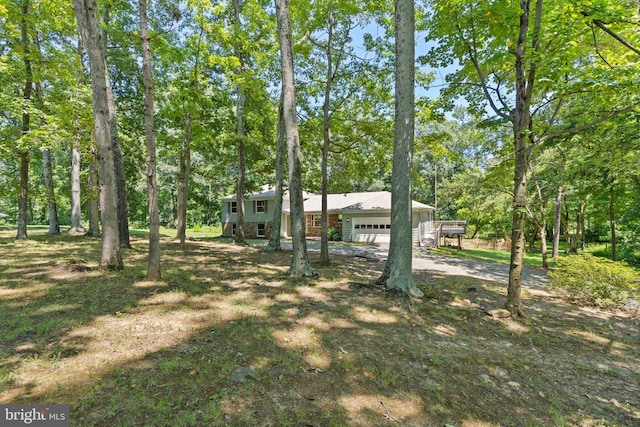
[595, 43]
[625, 43]
[587, 125]
[483, 81]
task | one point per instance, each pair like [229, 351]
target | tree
[114, 134]
[26, 119]
[547, 70]
[87, 16]
[276, 231]
[76, 212]
[76, 201]
[153, 265]
[397, 271]
[240, 129]
[300, 265]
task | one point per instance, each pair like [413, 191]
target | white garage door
[371, 229]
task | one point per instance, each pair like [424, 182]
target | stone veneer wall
[334, 222]
[250, 230]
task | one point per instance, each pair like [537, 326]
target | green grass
[501, 257]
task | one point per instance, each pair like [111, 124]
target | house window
[233, 207]
[233, 229]
[316, 221]
[260, 206]
[261, 229]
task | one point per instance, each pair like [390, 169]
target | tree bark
[93, 197]
[324, 226]
[23, 201]
[581, 226]
[118, 166]
[76, 210]
[276, 229]
[76, 201]
[184, 174]
[239, 237]
[52, 207]
[87, 17]
[557, 218]
[612, 223]
[397, 271]
[521, 116]
[300, 265]
[153, 264]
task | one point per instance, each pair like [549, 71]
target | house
[360, 217]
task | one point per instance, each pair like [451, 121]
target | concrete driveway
[424, 260]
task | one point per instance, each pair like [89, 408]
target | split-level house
[360, 217]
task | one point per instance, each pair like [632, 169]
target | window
[233, 229]
[261, 229]
[316, 221]
[233, 207]
[260, 206]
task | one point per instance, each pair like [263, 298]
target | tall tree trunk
[397, 271]
[581, 227]
[521, 116]
[118, 166]
[76, 201]
[23, 201]
[612, 223]
[153, 264]
[300, 265]
[93, 196]
[557, 219]
[184, 174]
[76, 211]
[276, 229]
[543, 247]
[540, 225]
[87, 16]
[239, 237]
[52, 208]
[532, 238]
[324, 226]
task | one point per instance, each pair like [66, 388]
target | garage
[372, 229]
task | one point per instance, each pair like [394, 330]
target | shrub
[334, 235]
[596, 281]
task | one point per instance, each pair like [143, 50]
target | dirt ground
[227, 338]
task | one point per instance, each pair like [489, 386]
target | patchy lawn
[226, 338]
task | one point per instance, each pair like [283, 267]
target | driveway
[424, 260]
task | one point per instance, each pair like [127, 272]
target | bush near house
[596, 281]
[334, 235]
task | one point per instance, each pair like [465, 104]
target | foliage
[334, 235]
[596, 281]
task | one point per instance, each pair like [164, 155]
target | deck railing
[451, 227]
[431, 232]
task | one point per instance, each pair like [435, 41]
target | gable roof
[357, 202]
[377, 201]
[266, 192]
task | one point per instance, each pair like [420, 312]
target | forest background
[581, 145]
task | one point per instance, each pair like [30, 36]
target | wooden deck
[432, 232]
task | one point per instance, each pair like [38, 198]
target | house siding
[251, 218]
